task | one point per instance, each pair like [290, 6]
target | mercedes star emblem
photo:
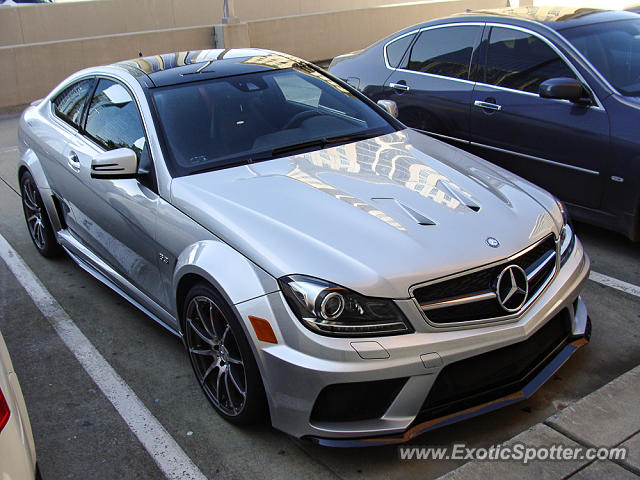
[512, 288]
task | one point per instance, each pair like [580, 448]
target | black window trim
[597, 105]
[85, 115]
[87, 137]
[74, 128]
[433, 27]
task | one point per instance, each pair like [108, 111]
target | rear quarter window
[397, 48]
[69, 104]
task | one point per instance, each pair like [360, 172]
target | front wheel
[35, 214]
[221, 357]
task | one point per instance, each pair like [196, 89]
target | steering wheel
[300, 117]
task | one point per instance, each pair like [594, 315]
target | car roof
[194, 65]
[555, 17]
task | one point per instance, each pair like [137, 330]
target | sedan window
[242, 119]
[444, 51]
[614, 49]
[521, 61]
[69, 104]
[113, 120]
[396, 50]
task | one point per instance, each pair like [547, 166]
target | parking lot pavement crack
[8, 185]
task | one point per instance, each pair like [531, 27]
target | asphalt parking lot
[79, 434]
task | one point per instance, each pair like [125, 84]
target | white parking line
[170, 458]
[8, 149]
[615, 283]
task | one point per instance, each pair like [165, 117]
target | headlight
[567, 237]
[332, 310]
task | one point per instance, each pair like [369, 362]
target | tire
[221, 357]
[38, 222]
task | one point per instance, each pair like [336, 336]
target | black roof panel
[183, 67]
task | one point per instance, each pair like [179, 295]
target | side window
[522, 61]
[113, 120]
[69, 104]
[444, 51]
[396, 49]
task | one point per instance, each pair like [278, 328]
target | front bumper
[302, 364]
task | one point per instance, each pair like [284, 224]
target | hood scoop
[417, 216]
[458, 194]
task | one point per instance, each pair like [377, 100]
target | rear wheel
[221, 357]
[35, 214]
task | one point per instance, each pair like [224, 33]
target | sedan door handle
[399, 86]
[74, 162]
[487, 105]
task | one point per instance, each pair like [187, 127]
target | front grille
[495, 374]
[472, 297]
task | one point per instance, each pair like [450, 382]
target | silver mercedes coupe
[355, 281]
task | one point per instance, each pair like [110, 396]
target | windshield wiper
[356, 137]
[282, 151]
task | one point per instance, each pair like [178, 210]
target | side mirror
[564, 89]
[119, 163]
[390, 107]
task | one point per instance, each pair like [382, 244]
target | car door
[432, 84]
[67, 109]
[556, 144]
[116, 218]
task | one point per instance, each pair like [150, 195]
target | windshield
[237, 120]
[614, 49]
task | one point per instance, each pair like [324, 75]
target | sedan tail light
[4, 411]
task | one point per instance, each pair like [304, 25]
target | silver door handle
[487, 105]
[399, 86]
[74, 162]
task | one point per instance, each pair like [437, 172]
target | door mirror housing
[390, 107]
[564, 89]
[119, 163]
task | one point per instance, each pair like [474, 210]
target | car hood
[376, 216]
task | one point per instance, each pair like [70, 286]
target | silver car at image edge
[17, 448]
[354, 281]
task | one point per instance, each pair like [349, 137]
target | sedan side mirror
[119, 163]
[390, 107]
[564, 89]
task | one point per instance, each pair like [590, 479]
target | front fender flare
[29, 161]
[236, 277]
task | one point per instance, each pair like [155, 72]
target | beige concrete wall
[323, 36]
[258, 10]
[29, 72]
[63, 21]
[51, 22]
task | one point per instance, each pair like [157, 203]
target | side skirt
[93, 265]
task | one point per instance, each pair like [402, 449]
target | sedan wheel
[221, 357]
[36, 217]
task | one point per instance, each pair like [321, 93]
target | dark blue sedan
[552, 94]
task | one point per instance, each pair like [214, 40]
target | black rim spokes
[215, 354]
[33, 213]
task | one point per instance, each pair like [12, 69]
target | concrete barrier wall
[63, 21]
[324, 35]
[28, 72]
[31, 70]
